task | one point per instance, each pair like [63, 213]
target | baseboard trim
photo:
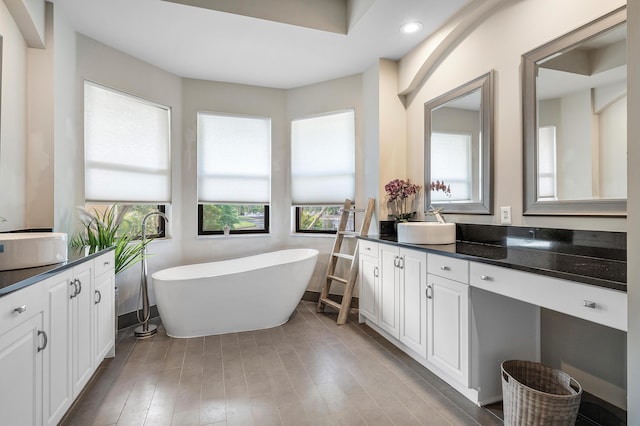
[129, 319]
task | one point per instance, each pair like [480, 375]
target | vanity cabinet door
[389, 290]
[369, 282]
[448, 334]
[21, 361]
[104, 312]
[57, 368]
[82, 327]
[413, 301]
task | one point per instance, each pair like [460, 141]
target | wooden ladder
[350, 280]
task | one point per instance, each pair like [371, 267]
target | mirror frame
[485, 83]
[606, 207]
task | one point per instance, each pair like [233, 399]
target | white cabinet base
[500, 329]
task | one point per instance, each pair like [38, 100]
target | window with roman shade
[234, 173]
[322, 169]
[127, 147]
[547, 188]
[456, 174]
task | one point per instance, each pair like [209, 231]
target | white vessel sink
[30, 249]
[426, 233]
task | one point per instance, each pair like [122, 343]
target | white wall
[39, 170]
[498, 44]
[574, 138]
[510, 32]
[613, 154]
[101, 64]
[281, 106]
[13, 124]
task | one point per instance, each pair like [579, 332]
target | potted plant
[104, 230]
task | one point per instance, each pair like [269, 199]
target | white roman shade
[126, 148]
[547, 162]
[234, 159]
[323, 159]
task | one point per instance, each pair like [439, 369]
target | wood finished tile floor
[307, 372]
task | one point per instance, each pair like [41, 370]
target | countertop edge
[55, 269]
[599, 282]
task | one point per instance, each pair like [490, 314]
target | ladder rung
[349, 233]
[339, 279]
[343, 256]
[331, 303]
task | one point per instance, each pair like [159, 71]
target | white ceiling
[199, 43]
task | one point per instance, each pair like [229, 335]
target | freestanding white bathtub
[249, 293]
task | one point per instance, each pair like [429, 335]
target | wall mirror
[575, 122]
[458, 148]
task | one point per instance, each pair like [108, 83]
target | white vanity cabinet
[103, 302]
[52, 345]
[597, 304]
[448, 316]
[58, 359]
[402, 305]
[422, 302]
[23, 341]
[81, 326]
[413, 303]
[368, 279]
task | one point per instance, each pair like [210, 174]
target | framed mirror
[458, 149]
[575, 122]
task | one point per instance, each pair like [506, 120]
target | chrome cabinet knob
[589, 304]
[445, 268]
[20, 309]
[486, 278]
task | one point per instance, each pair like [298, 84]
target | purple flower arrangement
[398, 193]
[441, 186]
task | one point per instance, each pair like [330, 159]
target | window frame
[160, 207]
[266, 229]
[298, 230]
[202, 232]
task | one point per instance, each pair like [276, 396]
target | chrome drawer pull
[367, 248]
[589, 304]
[107, 263]
[376, 273]
[445, 268]
[97, 293]
[75, 288]
[486, 278]
[20, 309]
[45, 340]
[429, 290]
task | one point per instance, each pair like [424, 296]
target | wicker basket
[537, 395]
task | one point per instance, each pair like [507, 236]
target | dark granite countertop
[16, 279]
[590, 257]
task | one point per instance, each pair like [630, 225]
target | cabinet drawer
[448, 267]
[367, 248]
[601, 305]
[104, 263]
[19, 306]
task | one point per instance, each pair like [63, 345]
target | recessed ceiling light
[411, 27]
